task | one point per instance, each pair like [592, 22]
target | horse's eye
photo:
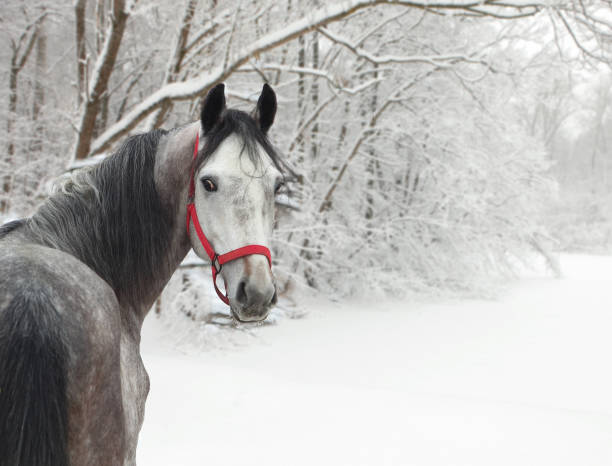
[209, 185]
[278, 187]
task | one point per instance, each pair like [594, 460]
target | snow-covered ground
[523, 380]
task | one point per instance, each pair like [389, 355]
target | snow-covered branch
[100, 76]
[422, 130]
[434, 60]
[311, 21]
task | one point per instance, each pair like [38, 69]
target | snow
[522, 380]
[314, 18]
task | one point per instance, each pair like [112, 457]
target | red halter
[216, 260]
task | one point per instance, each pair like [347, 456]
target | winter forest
[447, 228]
[436, 145]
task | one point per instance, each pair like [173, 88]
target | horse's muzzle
[252, 303]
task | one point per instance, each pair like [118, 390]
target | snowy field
[524, 380]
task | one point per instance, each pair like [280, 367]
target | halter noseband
[216, 260]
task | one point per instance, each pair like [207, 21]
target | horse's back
[78, 294]
[59, 342]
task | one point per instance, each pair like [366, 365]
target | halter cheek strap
[216, 260]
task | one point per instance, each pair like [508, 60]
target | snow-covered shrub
[581, 221]
[427, 179]
[36, 160]
[419, 169]
[441, 197]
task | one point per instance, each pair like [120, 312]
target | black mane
[245, 127]
[10, 226]
[111, 218]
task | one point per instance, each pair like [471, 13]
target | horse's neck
[172, 170]
[137, 248]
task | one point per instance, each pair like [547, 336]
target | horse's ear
[266, 108]
[213, 107]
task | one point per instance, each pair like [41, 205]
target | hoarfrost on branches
[432, 139]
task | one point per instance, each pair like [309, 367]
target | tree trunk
[81, 57]
[284, 50]
[18, 61]
[39, 90]
[176, 62]
[100, 24]
[10, 123]
[301, 94]
[315, 96]
[101, 74]
[39, 72]
[100, 15]
[372, 167]
[12, 108]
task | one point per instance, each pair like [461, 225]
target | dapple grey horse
[78, 278]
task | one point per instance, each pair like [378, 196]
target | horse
[79, 276]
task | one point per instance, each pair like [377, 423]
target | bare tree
[370, 93]
[319, 17]
[81, 51]
[100, 76]
[20, 48]
[175, 63]
[39, 88]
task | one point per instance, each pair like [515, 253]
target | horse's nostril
[274, 298]
[241, 295]
[254, 297]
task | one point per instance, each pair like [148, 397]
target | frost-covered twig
[317, 18]
[434, 60]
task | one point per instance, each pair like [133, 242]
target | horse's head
[236, 176]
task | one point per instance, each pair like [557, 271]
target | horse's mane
[241, 124]
[110, 217]
[10, 226]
